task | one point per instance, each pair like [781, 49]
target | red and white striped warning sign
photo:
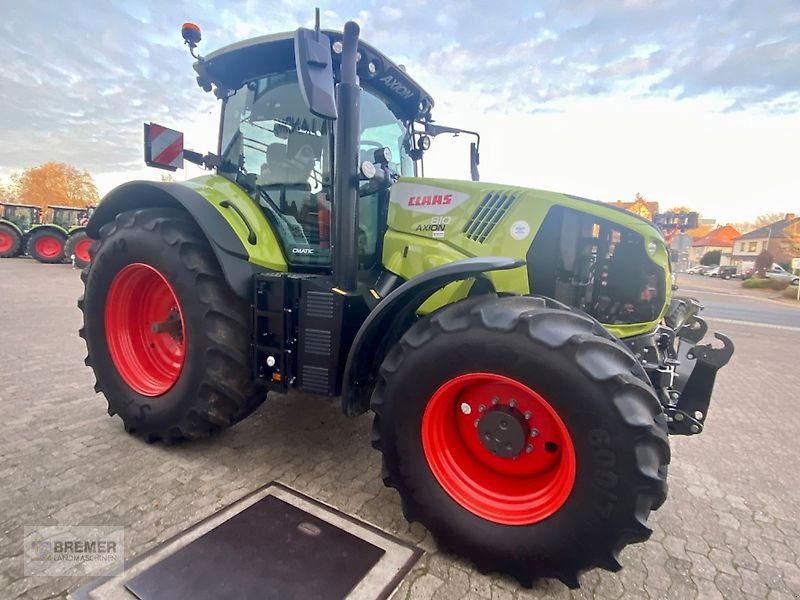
[163, 148]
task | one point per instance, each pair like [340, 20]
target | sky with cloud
[687, 102]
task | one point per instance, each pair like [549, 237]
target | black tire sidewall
[139, 245]
[595, 508]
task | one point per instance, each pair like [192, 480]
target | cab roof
[17, 204]
[230, 67]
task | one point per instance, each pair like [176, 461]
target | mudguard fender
[13, 226]
[228, 248]
[392, 317]
[51, 227]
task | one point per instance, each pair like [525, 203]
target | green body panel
[426, 228]
[423, 254]
[267, 251]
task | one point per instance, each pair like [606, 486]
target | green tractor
[15, 222]
[63, 237]
[520, 349]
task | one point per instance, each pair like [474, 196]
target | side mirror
[163, 148]
[312, 55]
[474, 161]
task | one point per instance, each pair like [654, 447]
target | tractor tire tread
[601, 357]
[225, 394]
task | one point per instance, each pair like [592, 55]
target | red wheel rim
[5, 241]
[82, 250]
[48, 246]
[519, 490]
[140, 297]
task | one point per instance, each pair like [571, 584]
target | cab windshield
[67, 218]
[268, 131]
[23, 216]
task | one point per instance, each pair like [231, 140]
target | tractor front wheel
[9, 241]
[78, 245]
[521, 436]
[167, 339]
[46, 247]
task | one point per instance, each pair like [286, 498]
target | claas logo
[430, 200]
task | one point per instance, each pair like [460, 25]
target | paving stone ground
[730, 528]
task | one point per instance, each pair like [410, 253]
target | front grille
[489, 213]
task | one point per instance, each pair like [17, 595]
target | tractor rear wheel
[78, 245]
[46, 246]
[167, 338]
[9, 241]
[521, 436]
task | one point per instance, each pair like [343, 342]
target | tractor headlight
[652, 247]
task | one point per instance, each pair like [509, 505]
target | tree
[55, 183]
[711, 257]
[763, 262]
[767, 219]
[6, 192]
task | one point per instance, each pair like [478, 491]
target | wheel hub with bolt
[498, 448]
[503, 431]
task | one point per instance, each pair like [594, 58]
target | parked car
[696, 270]
[725, 272]
[778, 272]
[774, 272]
[710, 269]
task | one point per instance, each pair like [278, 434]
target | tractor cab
[68, 217]
[269, 133]
[22, 215]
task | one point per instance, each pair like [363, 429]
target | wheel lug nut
[482, 408]
[512, 403]
[534, 432]
[466, 408]
[528, 449]
[476, 422]
[527, 415]
[495, 400]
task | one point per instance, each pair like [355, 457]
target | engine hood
[480, 218]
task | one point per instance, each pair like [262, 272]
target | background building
[720, 239]
[781, 238]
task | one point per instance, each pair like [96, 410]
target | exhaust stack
[345, 196]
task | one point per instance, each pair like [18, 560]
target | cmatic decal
[425, 198]
[302, 251]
